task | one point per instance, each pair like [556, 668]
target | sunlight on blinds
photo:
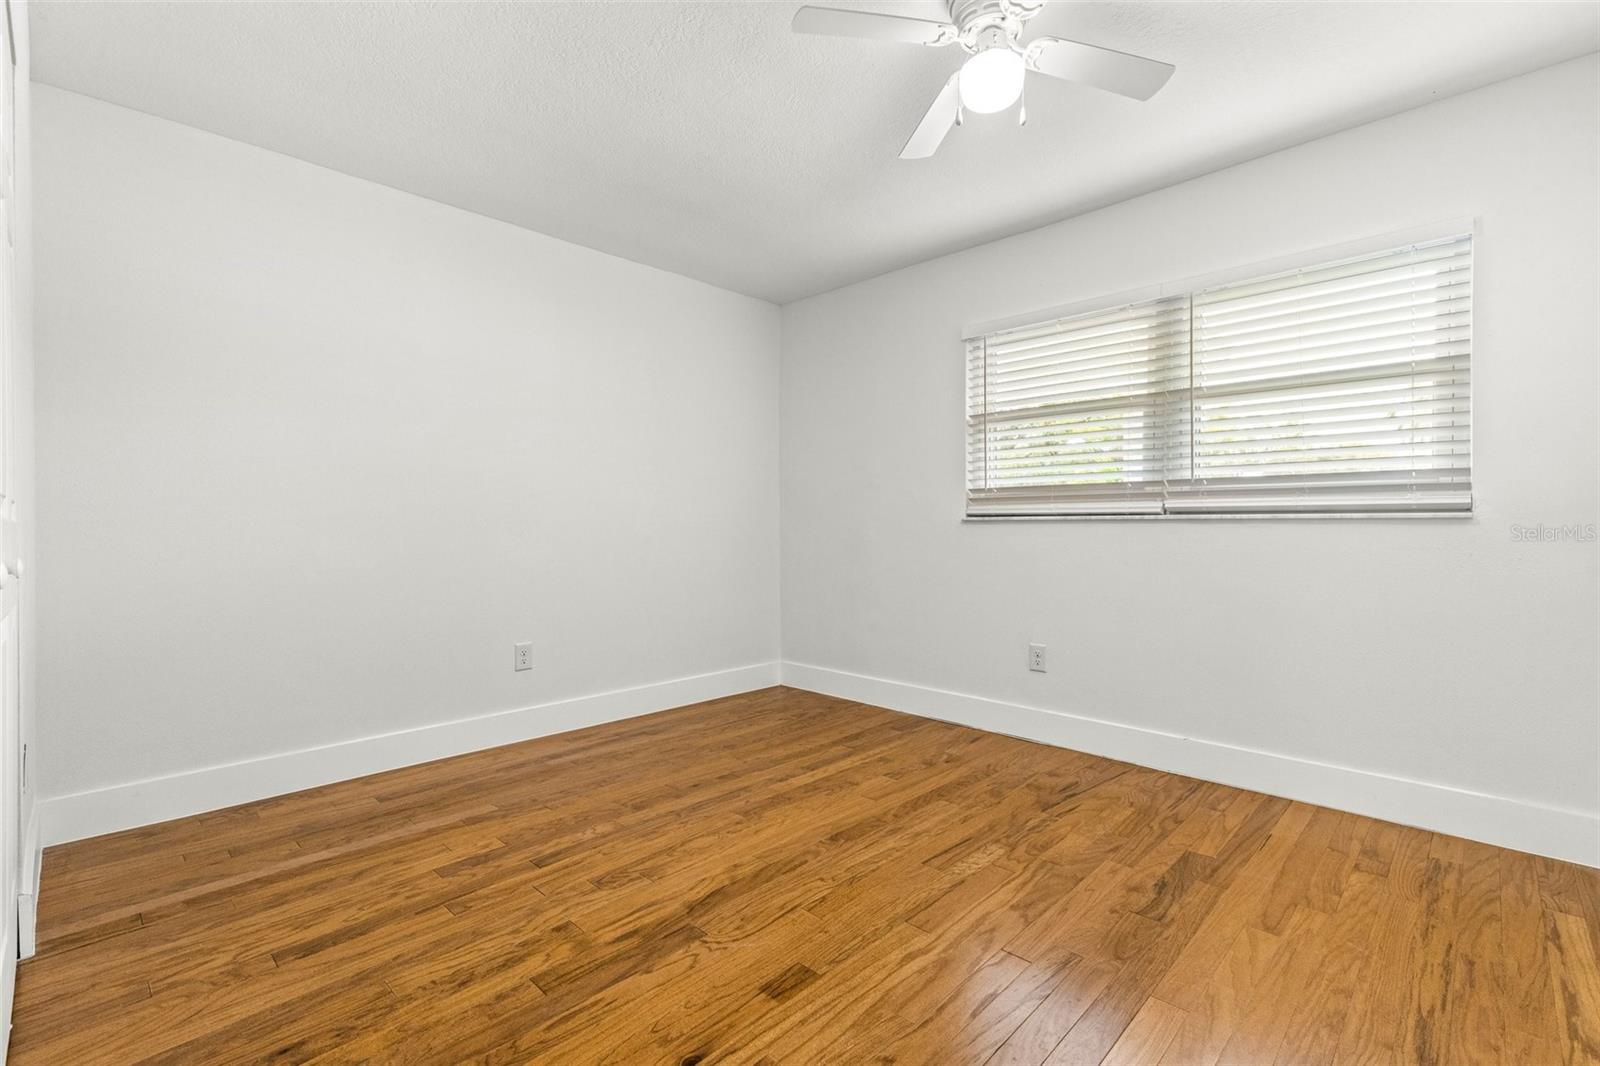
[1076, 416]
[1338, 388]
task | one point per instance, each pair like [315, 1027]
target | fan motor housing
[973, 18]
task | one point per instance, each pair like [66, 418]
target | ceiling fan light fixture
[992, 80]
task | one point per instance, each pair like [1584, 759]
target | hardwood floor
[784, 877]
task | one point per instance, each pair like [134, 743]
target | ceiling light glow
[992, 80]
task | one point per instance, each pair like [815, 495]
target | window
[1340, 388]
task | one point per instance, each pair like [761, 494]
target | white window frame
[1433, 231]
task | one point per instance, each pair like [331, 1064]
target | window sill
[1246, 516]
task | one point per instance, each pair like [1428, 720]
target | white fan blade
[1103, 68]
[835, 22]
[929, 134]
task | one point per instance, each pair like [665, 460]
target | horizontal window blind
[1338, 388]
[1077, 415]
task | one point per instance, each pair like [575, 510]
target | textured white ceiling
[707, 139]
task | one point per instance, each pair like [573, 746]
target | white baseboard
[1556, 832]
[1553, 831]
[157, 799]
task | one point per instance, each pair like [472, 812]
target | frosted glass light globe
[992, 80]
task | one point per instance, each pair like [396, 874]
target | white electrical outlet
[523, 658]
[1036, 658]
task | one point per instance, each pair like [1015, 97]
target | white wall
[1436, 652]
[314, 453]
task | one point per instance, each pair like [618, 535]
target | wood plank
[1147, 1037]
[1236, 983]
[1576, 978]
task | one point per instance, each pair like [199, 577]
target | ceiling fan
[991, 78]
